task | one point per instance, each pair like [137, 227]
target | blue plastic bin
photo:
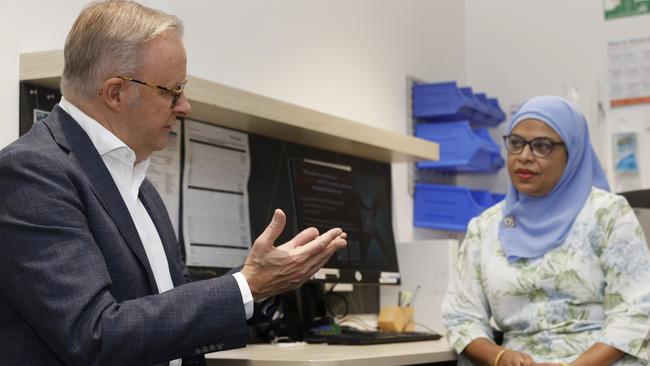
[493, 112]
[448, 207]
[462, 148]
[488, 113]
[481, 115]
[498, 197]
[444, 102]
[499, 114]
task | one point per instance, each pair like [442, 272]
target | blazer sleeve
[54, 274]
[262, 310]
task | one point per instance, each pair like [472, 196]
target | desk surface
[407, 353]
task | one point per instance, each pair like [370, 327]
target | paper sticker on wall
[626, 167]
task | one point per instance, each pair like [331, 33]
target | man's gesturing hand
[271, 270]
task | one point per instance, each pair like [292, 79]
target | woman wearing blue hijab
[561, 265]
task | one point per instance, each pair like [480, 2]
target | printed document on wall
[216, 224]
[629, 72]
[165, 174]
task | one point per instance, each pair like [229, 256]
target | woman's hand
[514, 358]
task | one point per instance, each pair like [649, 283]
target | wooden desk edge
[335, 355]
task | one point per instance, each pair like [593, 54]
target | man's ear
[111, 93]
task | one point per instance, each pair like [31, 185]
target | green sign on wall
[625, 8]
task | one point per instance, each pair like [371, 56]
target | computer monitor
[325, 189]
[355, 197]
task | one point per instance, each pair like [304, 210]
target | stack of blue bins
[457, 119]
[449, 207]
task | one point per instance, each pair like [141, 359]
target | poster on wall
[216, 221]
[626, 167]
[615, 9]
[629, 72]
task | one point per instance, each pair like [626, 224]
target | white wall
[351, 59]
[29, 26]
[518, 49]
[348, 58]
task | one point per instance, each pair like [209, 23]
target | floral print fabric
[595, 287]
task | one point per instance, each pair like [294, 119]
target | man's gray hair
[107, 40]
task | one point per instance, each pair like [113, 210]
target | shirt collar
[103, 139]
[107, 144]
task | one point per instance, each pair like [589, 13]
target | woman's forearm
[482, 351]
[599, 354]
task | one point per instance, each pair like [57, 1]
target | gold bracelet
[497, 359]
[564, 364]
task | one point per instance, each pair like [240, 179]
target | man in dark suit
[90, 270]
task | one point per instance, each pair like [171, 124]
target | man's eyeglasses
[174, 92]
[540, 146]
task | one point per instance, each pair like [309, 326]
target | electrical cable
[328, 305]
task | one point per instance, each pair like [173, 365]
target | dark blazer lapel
[158, 213]
[73, 138]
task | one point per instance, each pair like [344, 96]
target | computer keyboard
[371, 337]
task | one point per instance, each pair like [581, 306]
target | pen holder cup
[396, 319]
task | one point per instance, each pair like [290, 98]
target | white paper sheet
[629, 72]
[165, 174]
[216, 224]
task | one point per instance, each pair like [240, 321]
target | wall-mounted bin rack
[449, 207]
[445, 101]
[462, 148]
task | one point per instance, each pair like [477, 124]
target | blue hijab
[532, 226]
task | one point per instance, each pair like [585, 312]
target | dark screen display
[352, 198]
[357, 199]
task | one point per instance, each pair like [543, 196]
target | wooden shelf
[241, 110]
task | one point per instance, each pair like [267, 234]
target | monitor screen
[324, 189]
[356, 199]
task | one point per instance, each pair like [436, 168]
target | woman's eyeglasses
[174, 92]
[540, 146]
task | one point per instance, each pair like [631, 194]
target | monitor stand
[307, 307]
[303, 309]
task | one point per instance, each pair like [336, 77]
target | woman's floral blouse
[595, 287]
